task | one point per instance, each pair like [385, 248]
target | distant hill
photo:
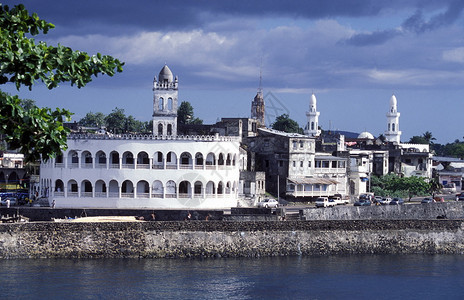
[347, 134]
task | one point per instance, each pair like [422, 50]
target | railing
[186, 167]
[113, 194]
[86, 194]
[185, 195]
[73, 194]
[171, 195]
[73, 165]
[100, 194]
[59, 194]
[143, 195]
[143, 166]
[128, 166]
[127, 195]
[114, 166]
[171, 167]
[206, 138]
[87, 165]
[101, 166]
[157, 166]
[59, 165]
[157, 195]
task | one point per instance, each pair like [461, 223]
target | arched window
[312, 125]
[161, 103]
[169, 103]
[160, 129]
[169, 129]
[393, 126]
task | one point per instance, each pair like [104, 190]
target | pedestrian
[53, 203]
[7, 202]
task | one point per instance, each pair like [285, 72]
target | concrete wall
[432, 211]
[229, 239]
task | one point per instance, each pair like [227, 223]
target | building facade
[162, 170]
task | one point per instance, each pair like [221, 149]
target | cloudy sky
[353, 54]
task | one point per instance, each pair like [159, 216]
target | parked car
[325, 202]
[397, 201]
[460, 197]
[385, 201]
[268, 203]
[377, 199]
[13, 201]
[427, 200]
[340, 201]
[363, 202]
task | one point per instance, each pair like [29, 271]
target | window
[301, 144]
[160, 129]
[281, 163]
[325, 164]
[334, 164]
[301, 164]
[393, 126]
[341, 164]
[294, 164]
[312, 125]
[267, 163]
[169, 103]
[161, 104]
[169, 129]
[294, 144]
[309, 164]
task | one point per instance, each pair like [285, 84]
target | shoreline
[181, 239]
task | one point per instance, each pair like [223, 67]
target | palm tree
[428, 137]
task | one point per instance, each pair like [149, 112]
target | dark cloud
[119, 17]
[417, 24]
[373, 38]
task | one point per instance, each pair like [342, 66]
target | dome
[365, 135]
[393, 101]
[312, 102]
[165, 74]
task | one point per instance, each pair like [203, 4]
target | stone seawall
[431, 211]
[229, 239]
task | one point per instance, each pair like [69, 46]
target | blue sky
[353, 54]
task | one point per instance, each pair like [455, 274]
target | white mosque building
[162, 170]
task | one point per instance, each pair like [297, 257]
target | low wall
[229, 239]
[431, 211]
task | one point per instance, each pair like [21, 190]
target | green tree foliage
[395, 186]
[93, 120]
[185, 114]
[39, 132]
[284, 123]
[116, 121]
[425, 138]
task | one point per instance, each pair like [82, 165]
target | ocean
[331, 277]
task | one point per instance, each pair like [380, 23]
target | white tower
[312, 127]
[393, 133]
[165, 103]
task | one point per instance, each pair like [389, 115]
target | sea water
[331, 277]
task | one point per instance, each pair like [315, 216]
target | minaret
[165, 103]
[257, 105]
[312, 127]
[393, 133]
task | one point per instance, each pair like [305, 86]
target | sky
[352, 54]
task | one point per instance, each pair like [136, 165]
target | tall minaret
[165, 103]
[312, 127]
[393, 133]
[257, 105]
